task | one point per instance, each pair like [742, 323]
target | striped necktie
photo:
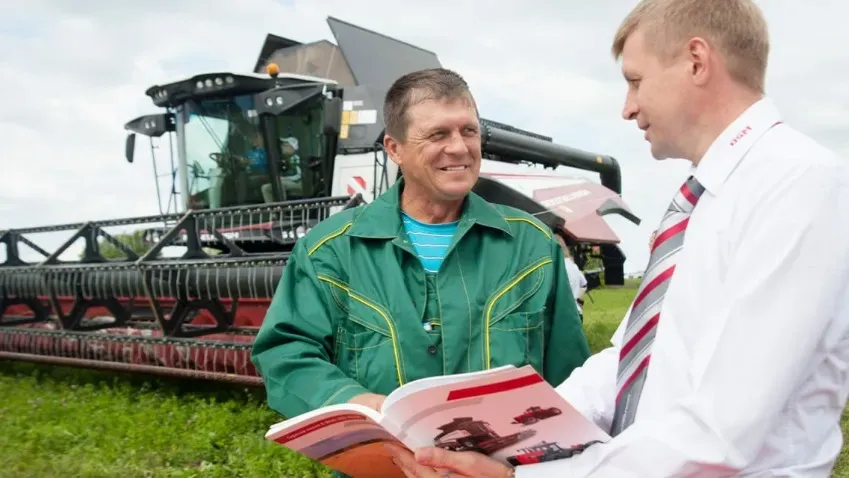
[645, 311]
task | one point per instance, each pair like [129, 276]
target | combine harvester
[189, 301]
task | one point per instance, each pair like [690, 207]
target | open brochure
[510, 414]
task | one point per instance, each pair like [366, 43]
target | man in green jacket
[429, 279]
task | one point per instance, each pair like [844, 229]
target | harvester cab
[229, 157]
[226, 154]
[257, 159]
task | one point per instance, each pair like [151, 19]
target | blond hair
[735, 28]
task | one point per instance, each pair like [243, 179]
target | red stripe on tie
[670, 232]
[685, 190]
[651, 285]
[639, 336]
[643, 364]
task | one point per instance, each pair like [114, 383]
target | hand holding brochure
[510, 414]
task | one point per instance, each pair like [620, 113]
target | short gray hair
[415, 87]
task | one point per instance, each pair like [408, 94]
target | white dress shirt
[577, 281]
[749, 371]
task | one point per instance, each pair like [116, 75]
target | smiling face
[661, 98]
[440, 155]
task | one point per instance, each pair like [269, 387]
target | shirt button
[431, 350]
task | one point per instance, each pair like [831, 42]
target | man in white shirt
[749, 369]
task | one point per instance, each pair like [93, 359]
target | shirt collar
[729, 148]
[382, 217]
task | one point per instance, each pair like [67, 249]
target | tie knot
[689, 194]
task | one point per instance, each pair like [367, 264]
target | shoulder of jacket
[328, 230]
[524, 223]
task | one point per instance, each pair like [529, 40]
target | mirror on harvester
[332, 116]
[130, 147]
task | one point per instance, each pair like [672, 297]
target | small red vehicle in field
[534, 414]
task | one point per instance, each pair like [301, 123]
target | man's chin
[661, 152]
[658, 153]
[455, 193]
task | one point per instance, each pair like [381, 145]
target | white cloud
[72, 73]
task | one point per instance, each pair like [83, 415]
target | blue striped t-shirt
[430, 241]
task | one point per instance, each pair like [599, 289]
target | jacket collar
[381, 219]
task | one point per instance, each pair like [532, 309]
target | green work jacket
[347, 316]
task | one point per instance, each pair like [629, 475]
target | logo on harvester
[560, 201]
[356, 185]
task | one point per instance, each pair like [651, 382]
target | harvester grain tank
[257, 159]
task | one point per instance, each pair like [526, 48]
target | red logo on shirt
[740, 135]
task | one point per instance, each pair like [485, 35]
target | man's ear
[699, 53]
[393, 148]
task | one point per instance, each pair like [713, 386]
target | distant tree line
[133, 241]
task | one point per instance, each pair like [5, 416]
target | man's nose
[630, 110]
[456, 144]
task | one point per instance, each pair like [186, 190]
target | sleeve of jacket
[566, 344]
[294, 347]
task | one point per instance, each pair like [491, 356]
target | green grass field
[63, 422]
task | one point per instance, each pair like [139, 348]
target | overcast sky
[72, 73]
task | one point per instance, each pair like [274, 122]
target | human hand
[435, 462]
[371, 400]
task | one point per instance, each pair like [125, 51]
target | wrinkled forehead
[429, 112]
